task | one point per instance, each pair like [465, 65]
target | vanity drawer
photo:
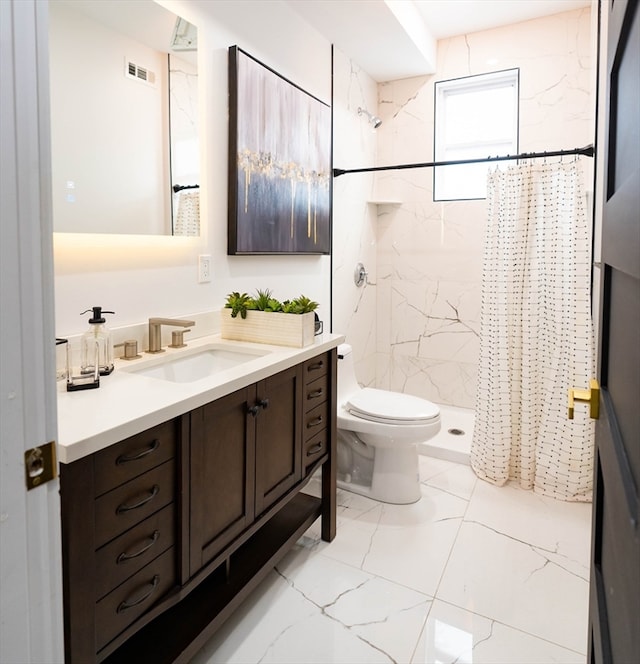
[315, 392]
[315, 367]
[314, 448]
[122, 508]
[125, 555]
[120, 463]
[134, 597]
[314, 421]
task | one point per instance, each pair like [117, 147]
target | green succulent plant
[240, 303]
[265, 302]
[300, 305]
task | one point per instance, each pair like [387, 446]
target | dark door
[222, 467]
[614, 620]
[278, 436]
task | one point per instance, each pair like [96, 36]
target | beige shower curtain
[536, 336]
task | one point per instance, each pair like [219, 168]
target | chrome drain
[456, 432]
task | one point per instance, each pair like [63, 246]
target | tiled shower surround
[428, 255]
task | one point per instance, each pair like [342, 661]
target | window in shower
[475, 117]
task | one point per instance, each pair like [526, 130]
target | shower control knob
[360, 275]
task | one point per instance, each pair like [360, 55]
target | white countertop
[127, 403]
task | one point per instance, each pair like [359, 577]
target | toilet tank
[347, 383]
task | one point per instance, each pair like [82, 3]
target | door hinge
[40, 465]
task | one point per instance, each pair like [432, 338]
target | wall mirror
[124, 118]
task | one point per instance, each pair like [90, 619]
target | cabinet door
[222, 468]
[278, 436]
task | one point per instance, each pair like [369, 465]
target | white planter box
[266, 327]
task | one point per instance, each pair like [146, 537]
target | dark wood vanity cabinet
[119, 537]
[165, 533]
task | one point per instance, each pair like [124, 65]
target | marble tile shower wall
[354, 218]
[429, 254]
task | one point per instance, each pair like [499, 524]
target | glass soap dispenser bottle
[96, 345]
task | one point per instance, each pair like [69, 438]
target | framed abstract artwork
[279, 163]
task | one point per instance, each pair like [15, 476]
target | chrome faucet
[155, 326]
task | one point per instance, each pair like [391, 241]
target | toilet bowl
[378, 436]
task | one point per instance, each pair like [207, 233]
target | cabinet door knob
[253, 410]
[264, 403]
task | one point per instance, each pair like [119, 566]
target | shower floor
[453, 442]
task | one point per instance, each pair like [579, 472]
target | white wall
[430, 254]
[139, 277]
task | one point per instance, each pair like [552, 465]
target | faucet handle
[177, 339]
[130, 349]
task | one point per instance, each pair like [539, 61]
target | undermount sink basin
[202, 363]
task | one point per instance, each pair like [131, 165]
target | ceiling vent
[132, 70]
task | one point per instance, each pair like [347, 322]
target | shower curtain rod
[587, 151]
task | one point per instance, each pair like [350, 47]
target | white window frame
[449, 181]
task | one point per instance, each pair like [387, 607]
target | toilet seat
[391, 407]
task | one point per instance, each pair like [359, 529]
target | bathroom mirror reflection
[124, 118]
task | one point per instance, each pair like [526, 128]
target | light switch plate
[204, 268]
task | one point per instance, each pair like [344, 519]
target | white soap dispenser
[96, 346]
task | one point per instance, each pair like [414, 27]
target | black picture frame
[279, 163]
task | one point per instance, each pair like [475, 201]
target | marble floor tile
[517, 584]
[453, 635]
[558, 527]
[470, 573]
[258, 624]
[388, 617]
[346, 614]
[382, 614]
[411, 543]
[455, 478]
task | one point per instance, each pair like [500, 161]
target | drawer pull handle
[315, 394]
[315, 449]
[315, 366]
[129, 604]
[123, 458]
[123, 557]
[152, 494]
[315, 423]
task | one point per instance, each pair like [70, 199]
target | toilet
[378, 436]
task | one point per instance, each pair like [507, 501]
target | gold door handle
[591, 396]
